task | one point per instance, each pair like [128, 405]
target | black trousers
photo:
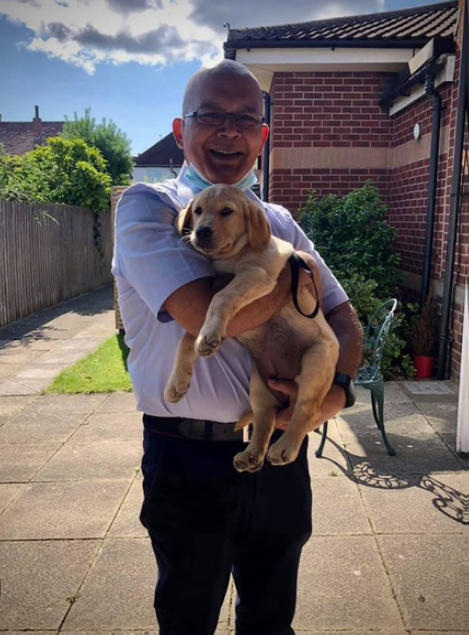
[206, 520]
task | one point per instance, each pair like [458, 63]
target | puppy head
[222, 220]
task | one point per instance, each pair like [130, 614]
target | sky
[129, 60]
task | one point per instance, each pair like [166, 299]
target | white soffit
[265, 62]
[442, 77]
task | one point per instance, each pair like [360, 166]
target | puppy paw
[248, 461]
[282, 453]
[207, 345]
[176, 388]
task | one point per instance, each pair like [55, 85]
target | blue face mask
[193, 175]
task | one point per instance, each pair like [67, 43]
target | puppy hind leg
[264, 410]
[314, 381]
[180, 378]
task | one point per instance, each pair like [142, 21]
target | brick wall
[324, 111]
[329, 134]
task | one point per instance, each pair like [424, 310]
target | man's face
[225, 153]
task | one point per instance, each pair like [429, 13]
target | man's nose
[203, 232]
[229, 127]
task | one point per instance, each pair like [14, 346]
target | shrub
[110, 140]
[60, 172]
[354, 238]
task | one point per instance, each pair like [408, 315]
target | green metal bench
[369, 374]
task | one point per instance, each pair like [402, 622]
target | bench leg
[323, 440]
[377, 403]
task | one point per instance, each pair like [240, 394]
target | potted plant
[424, 340]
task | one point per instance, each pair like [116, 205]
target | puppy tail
[243, 422]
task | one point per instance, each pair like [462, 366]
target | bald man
[206, 520]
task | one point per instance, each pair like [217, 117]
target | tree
[110, 140]
[62, 171]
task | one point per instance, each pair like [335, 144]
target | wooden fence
[48, 255]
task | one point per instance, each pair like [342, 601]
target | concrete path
[390, 550]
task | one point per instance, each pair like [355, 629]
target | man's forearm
[347, 328]
[188, 305]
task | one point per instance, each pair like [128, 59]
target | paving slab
[68, 510]
[425, 632]
[119, 402]
[429, 576]
[12, 405]
[400, 419]
[414, 455]
[58, 404]
[427, 504]
[110, 426]
[20, 355]
[127, 521]
[38, 577]
[334, 459]
[27, 344]
[8, 371]
[118, 591]
[35, 429]
[39, 371]
[338, 507]
[93, 460]
[10, 388]
[394, 393]
[343, 585]
[8, 493]
[441, 416]
[20, 463]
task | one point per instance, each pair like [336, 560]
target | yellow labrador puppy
[234, 232]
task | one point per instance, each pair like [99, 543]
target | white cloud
[155, 32]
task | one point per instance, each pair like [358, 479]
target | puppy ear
[258, 227]
[184, 219]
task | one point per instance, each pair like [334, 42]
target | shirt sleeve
[149, 252]
[332, 291]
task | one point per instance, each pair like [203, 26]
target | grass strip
[105, 370]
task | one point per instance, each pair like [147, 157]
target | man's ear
[258, 227]
[265, 134]
[177, 131]
[184, 219]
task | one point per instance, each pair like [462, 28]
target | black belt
[195, 429]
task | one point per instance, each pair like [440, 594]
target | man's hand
[332, 404]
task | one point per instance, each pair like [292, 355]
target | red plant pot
[424, 366]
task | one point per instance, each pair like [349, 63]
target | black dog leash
[297, 263]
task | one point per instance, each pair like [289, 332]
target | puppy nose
[203, 232]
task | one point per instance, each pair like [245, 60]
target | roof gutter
[230, 47]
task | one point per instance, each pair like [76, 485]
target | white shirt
[150, 263]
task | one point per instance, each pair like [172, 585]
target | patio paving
[389, 552]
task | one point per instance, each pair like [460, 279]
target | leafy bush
[60, 172]
[110, 140]
[352, 235]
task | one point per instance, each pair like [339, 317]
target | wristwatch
[344, 380]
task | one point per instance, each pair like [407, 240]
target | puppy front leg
[180, 378]
[247, 286]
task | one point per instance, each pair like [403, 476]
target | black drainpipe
[462, 113]
[432, 178]
[266, 159]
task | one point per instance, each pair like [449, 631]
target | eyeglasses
[218, 118]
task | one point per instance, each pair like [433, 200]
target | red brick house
[18, 137]
[373, 97]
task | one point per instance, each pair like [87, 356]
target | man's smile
[225, 154]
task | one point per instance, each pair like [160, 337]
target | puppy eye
[198, 211]
[226, 211]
